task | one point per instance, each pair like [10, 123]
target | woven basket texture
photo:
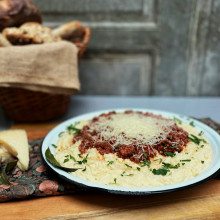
[27, 106]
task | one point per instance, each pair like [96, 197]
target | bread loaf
[4, 42]
[14, 13]
[69, 30]
[30, 33]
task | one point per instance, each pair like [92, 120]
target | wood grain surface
[200, 202]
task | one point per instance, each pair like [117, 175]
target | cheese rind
[16, 143]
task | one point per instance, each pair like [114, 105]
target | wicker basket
[23, 105]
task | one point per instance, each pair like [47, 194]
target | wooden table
[200, 202]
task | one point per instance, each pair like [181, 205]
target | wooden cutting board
[200, 202]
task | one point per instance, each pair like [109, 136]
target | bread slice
[69, 30]
[16, 143]
[30, 33]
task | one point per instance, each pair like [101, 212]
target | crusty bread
[14, 13]
[4, 42]
[30, 33]
[69, 31]
[16, 143]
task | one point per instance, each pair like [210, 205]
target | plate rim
[127, 190]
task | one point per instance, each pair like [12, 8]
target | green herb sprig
[115, 180]
[146, 155]
[84, 160]
[128, 165]
[186, 160]
[175, 146]
[72, 129]
[177, 120]
[160, 171]
[8, 167]
[60, 134]
[145, 163]
[195, 139]
[201, 133]
[110, 162]
[52, 160]
[54, 145]
[167, 153]
[124, 174]
[170, 166]
[192, 124]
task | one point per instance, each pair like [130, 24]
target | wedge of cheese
[16, 143]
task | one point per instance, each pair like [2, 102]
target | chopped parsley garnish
[202, 161]
[186, 153]
[123, 174]
[72, 129]
[167, 153]
[84, 169]
[54, 145]
[195, 139]
[186, 160]
[201, 133]
[192, 124]
[183, 163]
[202, 145]
[128, 165]
[66, 160]
[170, 166]
[60, 134]
[72, 158]
[162, 172]
[110, 162]
[177, 120]
[146, 155]
[83, 161]
[115, 180]
[138, 168]
[80, 155]
[145, 163]
[174, 146]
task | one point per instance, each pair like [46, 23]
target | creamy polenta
[158, 170]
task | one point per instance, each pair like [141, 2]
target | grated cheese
[123, 128]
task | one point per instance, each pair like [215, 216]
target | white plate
[212, 136]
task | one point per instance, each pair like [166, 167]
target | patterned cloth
[39, 180]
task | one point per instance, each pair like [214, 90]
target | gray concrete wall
[145, 47]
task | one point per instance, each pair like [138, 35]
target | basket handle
[83, 44]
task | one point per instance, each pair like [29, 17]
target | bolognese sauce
[132, 135]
